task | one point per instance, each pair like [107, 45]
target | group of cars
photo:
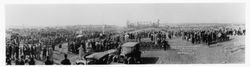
[128, 53]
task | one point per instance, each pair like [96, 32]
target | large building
[138, 24]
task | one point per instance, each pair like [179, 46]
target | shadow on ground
[149, 60]
[214, 44]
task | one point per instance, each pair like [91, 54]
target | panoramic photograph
[125, 33]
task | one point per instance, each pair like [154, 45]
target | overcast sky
[118, 14]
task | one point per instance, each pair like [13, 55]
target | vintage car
[131, 52]
[128, 53]
[99, 57]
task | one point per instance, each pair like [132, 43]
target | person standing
[165, 45]
[126, 37]
[17, 51]
[44, 52]
[80, 51]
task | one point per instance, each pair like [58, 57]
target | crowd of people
[209, 36]
[30, 45]
[100, 43]
[157, 39]
[105, 42]
[39, 45]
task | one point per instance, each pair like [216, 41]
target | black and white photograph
[124, 33]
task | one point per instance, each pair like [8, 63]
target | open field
[184, 52]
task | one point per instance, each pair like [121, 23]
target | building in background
[139, 24]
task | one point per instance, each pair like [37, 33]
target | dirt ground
[183, 52]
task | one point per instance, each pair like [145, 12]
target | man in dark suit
[165, 44]
[66, 61]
